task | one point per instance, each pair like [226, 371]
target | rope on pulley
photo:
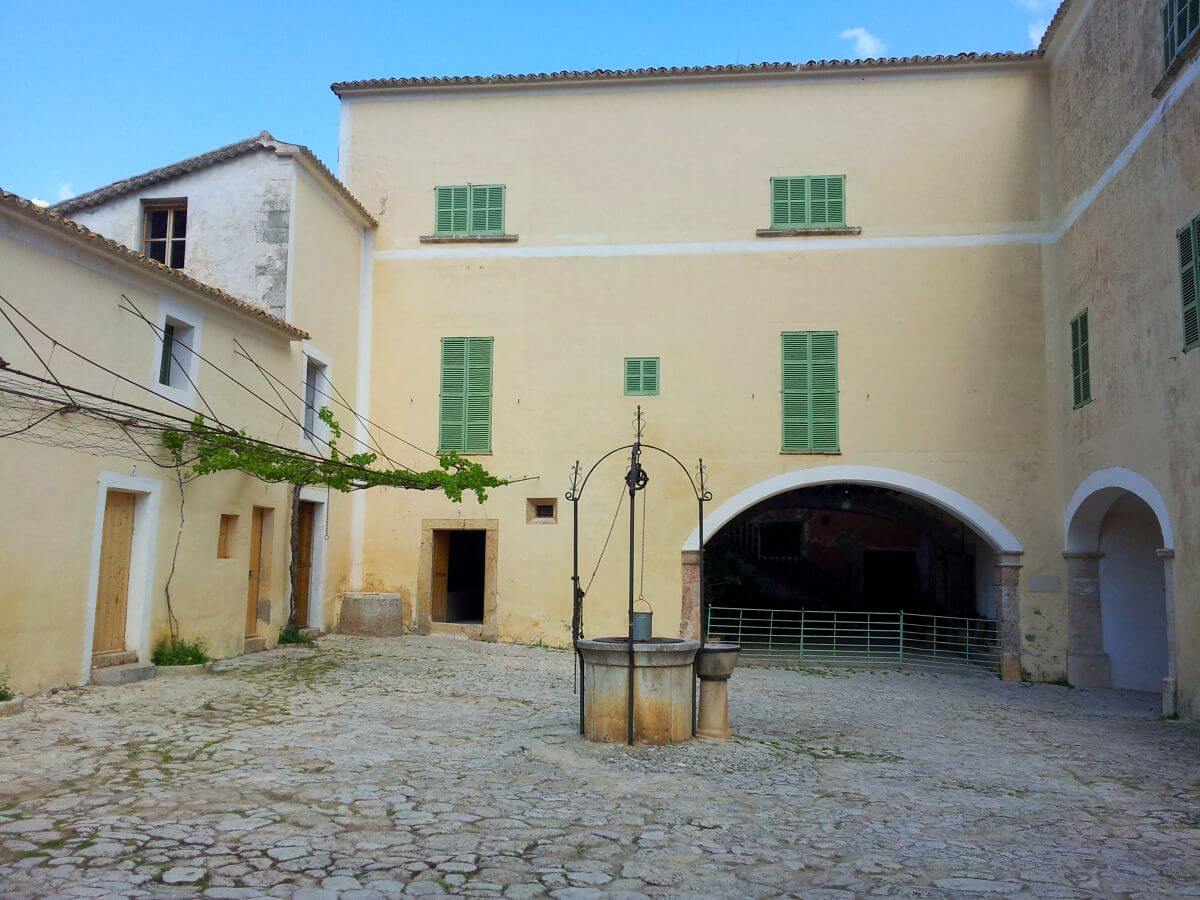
[612, 525]
[642, 572]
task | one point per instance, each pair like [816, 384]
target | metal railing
[898, 639]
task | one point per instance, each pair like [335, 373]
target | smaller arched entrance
[866, 539]
[1120, 548]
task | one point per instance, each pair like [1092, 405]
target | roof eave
[816, 69]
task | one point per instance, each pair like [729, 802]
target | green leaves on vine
[221, 451]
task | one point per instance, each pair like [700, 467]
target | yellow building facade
[925, 321]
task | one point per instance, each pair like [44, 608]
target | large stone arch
[1007, 548]
[1094, 581]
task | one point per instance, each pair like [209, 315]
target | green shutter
[453, 403]
[1181, 21]
[452, 209]
[487, 209]
[465, 421]
[817, 201]
[1081, 363]
[469, 209]
[641, 376]
[479, 396]
[810, 392]
[1189, 250]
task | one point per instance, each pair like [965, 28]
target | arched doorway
[862, 547]
[1119, 555]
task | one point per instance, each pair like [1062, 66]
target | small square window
[164, 232]
[227, 537]
[641, 376]
[541, 511]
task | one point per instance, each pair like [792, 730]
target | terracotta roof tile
[261, 141]
[1055, 21]
[54, 219]
[765, 68]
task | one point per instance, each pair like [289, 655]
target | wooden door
[112, 592]
[304, 559]
[441, 574]
[254, 588]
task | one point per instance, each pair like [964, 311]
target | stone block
[127, 674]
[373, 614]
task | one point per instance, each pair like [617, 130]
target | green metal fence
[900, 639]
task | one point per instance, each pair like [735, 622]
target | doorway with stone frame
[456, 578]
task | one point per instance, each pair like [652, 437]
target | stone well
[662, 705]
[372, 614]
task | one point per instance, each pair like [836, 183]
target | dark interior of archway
[844, 547]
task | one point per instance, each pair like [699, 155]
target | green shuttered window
[469, 209]
[641, 376]
[1181, 24]
[465, 417]
[1081, 361]
[814, 201]
[1189, 263]
[810, 392]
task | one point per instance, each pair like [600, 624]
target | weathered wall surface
[238, 215]
[941, 341]
[48, 548]
[325, 298]
[1119, 259]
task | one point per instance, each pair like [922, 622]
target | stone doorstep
[11, 707]
[254, 645]
[184, 671]
[124, 674]
[473, 631]
[312, 632]
[114, 658]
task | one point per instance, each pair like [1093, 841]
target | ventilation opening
[458, 576]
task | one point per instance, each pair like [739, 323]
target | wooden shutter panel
[810, 392]
[452, 406]
[824, 401]
[818, 202]
[797, 383]
[650, 377]
[633, 377]
[487, 208]
[1081, 376]
[835, 198]
[478, 437]
[781, 207]
[1189, 249]
[452, 207]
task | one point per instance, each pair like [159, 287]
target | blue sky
[98, 90]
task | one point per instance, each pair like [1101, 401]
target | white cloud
[1037, 28]
[865, 44]
[1042, 9]
[65, 191]
[42, 204]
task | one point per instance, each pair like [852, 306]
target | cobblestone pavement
[427, 765]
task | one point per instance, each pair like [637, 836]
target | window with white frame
[175, 361]
[164, 231]
[316, 393]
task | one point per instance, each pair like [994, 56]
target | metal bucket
[643, 629]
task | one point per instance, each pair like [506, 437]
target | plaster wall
[923, 154]
[238, 216]
[47, 541]
[1119, 259]
[942, 372]
[326, 259]
[1133, 615]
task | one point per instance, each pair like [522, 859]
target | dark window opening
[175, 359]
[164, 233]
[541, 510]
[458, 576]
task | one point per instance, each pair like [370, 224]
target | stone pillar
[1087, 663]
[1006, 579]
[689, 619]
[1170, 701]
